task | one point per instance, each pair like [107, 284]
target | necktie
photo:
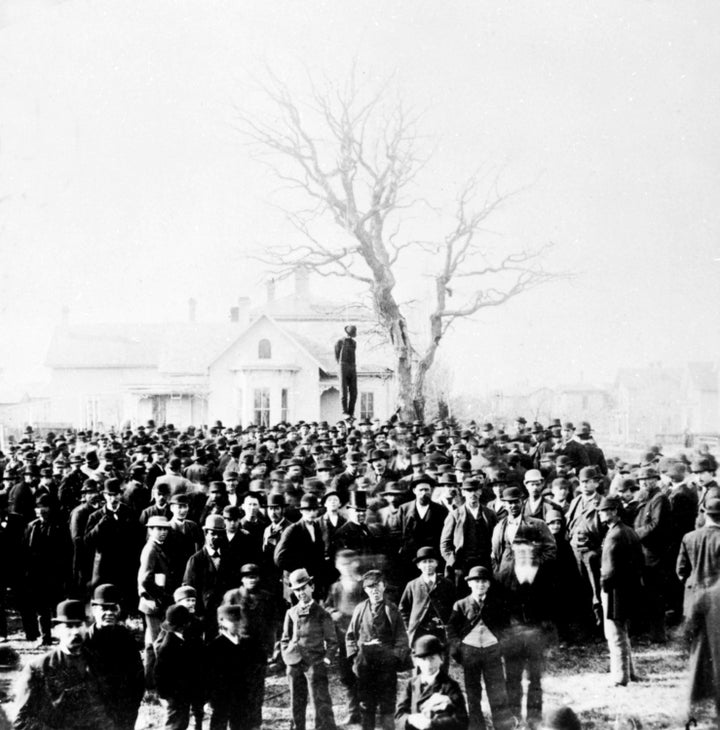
[311, 530]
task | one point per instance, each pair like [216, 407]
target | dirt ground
[575, 676]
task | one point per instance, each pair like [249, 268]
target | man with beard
[529, 592]
[116, 658]
[516, 525]
[62, 688]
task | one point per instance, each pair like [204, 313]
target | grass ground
[575, 676]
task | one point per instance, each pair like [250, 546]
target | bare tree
[354, 159]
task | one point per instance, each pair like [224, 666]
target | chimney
[302, 282]
[271, 290]
[243, 307]
[192, 309]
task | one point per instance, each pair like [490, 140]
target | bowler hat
[180, 498]
[588, 472]
[309, 501]
[70, 612]
[426, 553]
[177, 617]
[106, 595]
[463, 465]
[470, 484]
[231, 512]
[89, 486]
[158, 521]
[299, 578]
[393, 488]
[478, 572]
[112, 486]
[229, 611]
[377, 455]
[428, 645]
[712, 506]
[533, 475]
[276, 500]
[512, 494]
[647, 472]
[607, 503]
[214, 523]
[184, 592]
[350, 330]
[447, 479]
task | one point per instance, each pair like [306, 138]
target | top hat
[358, 499]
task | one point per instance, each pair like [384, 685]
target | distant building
[269, 364]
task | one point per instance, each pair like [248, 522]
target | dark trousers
[349, 681]
[229, 713]
[348, 389]
[588, 562]
[256, 693]
[652, 612]
[524, 649]
[315, 677]
[485, 664]
[178, 713]
[377, 689]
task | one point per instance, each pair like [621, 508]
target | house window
[284, 404]
[262, 406]
[264, 350]
[367, 405]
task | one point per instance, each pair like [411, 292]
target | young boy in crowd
[308, 641]
[431, 700]
[377, 645]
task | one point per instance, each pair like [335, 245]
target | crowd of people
[360, 548]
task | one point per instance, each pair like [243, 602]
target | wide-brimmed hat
[299, 578]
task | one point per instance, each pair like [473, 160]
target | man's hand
[419, 721]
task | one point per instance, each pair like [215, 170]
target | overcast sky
[128, 189]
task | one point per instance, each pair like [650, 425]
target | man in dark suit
[209, 573]
[466, 536]
[653, 525]
[302, 546]
[620, 578]
[345, 357]
[47, 550]
[422, 522]
[431, 699]
[475, 631]
[698, 563]
[515, 525]
[113, 535]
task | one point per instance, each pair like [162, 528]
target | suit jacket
[52, 693]
[155, 579]
[360, 630]
[621, 571]
[297, 549]
[415, 695]
[530, 527]
[454, 532]
[416, 601]
[210, 583]
[417, 532]
[176, 669]
[467, 612]
[47, 554]
[307, 637]
[698, 563]
[653, 525]
[585, 531]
